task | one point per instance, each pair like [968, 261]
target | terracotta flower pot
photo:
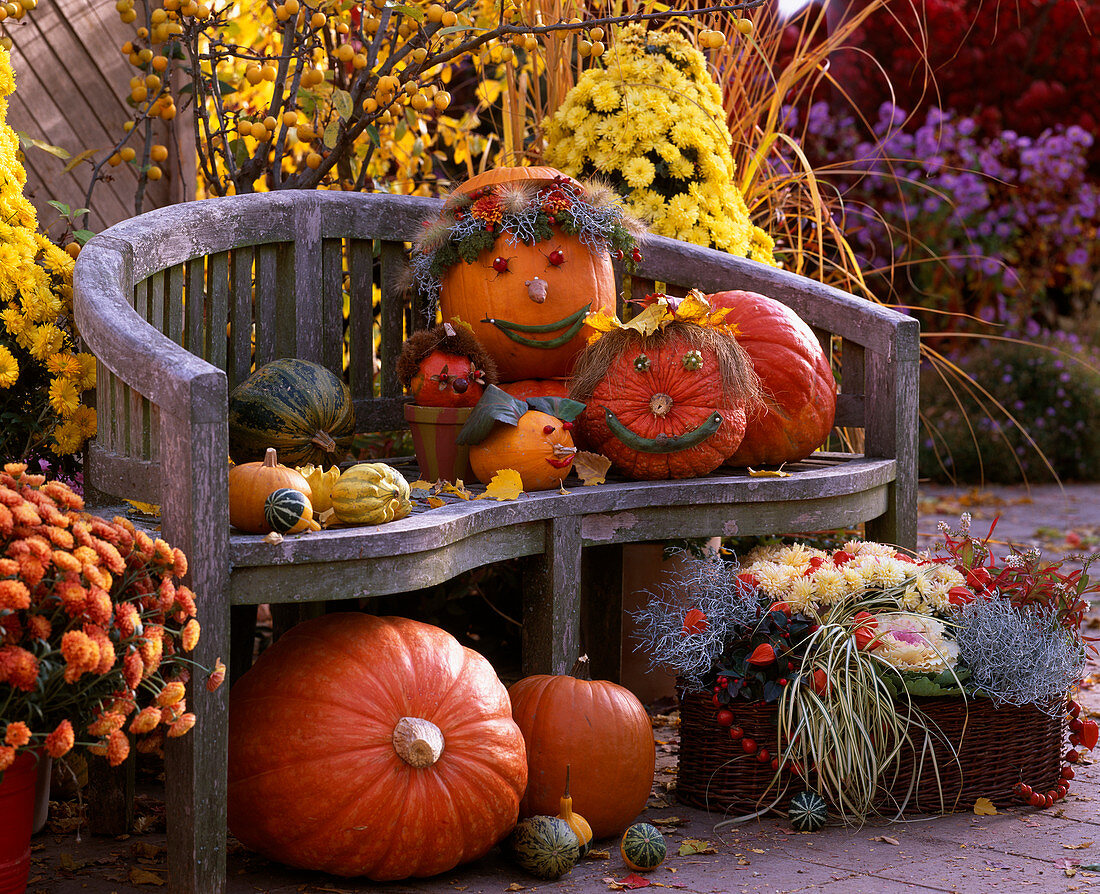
[16, 816]
[434, 431]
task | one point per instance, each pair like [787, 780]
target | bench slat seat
[275, 272]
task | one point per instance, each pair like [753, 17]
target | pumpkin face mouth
[520, 333]
[562, 457]
[662, 443]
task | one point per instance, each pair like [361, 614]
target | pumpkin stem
[582, 669]
[418, 742]
[566, 795]
[324, 440]
[660, 404]
[271, 458]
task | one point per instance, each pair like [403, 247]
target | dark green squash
[300, 408]
[808, 811]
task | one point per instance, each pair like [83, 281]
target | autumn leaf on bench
[506, 485]
[767, 473]
[591, 468]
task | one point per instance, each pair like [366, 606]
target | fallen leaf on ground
[591, 468]
[151, 509]
[983, 807]
[458, 489]
[691, 846]
[1077, 847]
[756, 850]
[436, 502]
[515, 886]
[506, 485]
[599, 855]
[146, 851]
[144, 877]
[66, 862]
[670, 821]
[420, 484]
[887, 839]
[633, 881]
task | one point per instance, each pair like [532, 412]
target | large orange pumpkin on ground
[601, 732]
[526, 299]
[668, 405]
[371, 746]
[799, 390]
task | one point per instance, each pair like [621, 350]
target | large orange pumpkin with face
[799, 391]
[669, 405]
[527, 302]
[370, 746]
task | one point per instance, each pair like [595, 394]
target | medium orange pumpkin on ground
[798, 387]
[597, 728]
[371, 746]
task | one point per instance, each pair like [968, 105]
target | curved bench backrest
[274, 272]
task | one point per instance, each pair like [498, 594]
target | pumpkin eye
[693, 361]
[547, 429]
[641, 363]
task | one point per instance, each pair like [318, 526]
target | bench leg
[551, 601]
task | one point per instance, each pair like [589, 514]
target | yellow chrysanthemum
[9, 368]
[639, 172]
[86, 379]
[67, 438]
[64, 398]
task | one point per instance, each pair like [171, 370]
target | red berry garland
[1083, 733]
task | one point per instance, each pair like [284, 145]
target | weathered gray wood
[392, 260]
[195, 307]
[361, 320]
[266, 304]
[173, 303]
[110, 796]
[300, 299]
[552, 600]
[215, 346]
[240, 315]
[332, 305]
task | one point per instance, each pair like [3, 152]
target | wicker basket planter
[994, 748]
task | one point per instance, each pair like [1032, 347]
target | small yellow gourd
[574, 821]
[321, 483]
[371, 494]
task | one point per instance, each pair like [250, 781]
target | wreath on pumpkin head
[526, 212]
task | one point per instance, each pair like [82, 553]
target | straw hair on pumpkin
[735, 368]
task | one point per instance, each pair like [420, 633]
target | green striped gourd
[288, 511]
[808, 811]
[545, 847]
[643, 847]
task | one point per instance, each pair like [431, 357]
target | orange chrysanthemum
[189, 636]
[133, 669]
[8, 567]
[84, 553]
[73, 597]
[127, 619]
[106, 647]
[143, 545]
[17, 734]
[14, 595]
[7, 523]
[98, 608]
[109, 554]
[179, 562]
[61, 740]
[146, 720]
[61, 538]
[19, 668]
[152, 648]
[106, 723]
[181, 726]
[26, 514]
[166, 595]
[217, 676]
[39, 627]
[81, 654]
[7, 757]
[65, 561]
[186, 600]
[31, 570]
[162, 553]
[171, 694]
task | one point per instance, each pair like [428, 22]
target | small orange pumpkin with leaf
[532, 436]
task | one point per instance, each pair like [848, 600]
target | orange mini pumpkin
[251, 483]
[531, 437]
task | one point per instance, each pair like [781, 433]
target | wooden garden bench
[180, 303]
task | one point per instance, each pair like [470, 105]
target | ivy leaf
[495, 405]
[562, 408]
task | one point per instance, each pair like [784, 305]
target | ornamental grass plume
[42, 373]
[652, 122]
[94, 625]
